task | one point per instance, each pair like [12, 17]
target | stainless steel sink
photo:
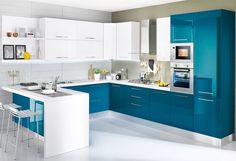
[139, 81]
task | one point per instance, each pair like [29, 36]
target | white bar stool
[20, 115]
[5, 108]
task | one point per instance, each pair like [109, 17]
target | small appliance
[182, 77]
[182, 52]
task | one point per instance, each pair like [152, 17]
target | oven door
[182, 80]
[182, 52]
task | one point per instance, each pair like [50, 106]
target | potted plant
[97, 74]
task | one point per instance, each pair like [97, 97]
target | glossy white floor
[113, 139]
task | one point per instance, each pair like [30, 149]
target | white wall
[46, 72]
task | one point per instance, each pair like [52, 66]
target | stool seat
[26, 113]
[12, 105]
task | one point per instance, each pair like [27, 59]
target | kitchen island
[65, 117]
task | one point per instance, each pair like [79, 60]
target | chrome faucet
[54, 84]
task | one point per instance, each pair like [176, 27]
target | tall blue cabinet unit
[214, 51]
[182, 26]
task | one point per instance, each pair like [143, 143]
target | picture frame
[8, 52]
[19, 51]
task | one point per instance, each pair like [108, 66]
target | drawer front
[136, 91]
[183, 111]
[160, 107]
[137, 109]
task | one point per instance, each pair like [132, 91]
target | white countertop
[121, 82]
[40, 97]
[22, 91]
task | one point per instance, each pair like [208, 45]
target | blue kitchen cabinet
[214, 73]
[98, 96]
[160, 107]
[182, 111]
[182, 26]
[137, 102]
[33, 105]
[118, 98]
[129, 100]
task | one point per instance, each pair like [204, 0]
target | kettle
[118, 76]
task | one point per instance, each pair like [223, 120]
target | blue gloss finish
[98, 96]
[182, 111]
[160, 108]
[182, 28]
[214, 72]
[25, 103]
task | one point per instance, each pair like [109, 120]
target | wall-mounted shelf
[21, 38]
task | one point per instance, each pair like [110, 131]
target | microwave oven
[182, 52]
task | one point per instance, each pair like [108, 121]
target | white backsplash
[134, 69]
[46, 73]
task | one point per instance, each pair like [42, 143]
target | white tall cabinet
[163, 39]
[128, 41]
[110, 40]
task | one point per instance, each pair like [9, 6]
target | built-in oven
[182, 77]
[182, 52]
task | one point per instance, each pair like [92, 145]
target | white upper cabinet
[58, 28]
[89, 31]
[90, 49]
[110, 40]
[128, 41]
[163, 39]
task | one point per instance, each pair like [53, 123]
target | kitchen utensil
[48, 91]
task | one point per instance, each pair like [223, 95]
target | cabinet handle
[181, 96]
[58, 36]
[95, 86]
[90, 38]
[207, 100]
[160, 93]
[202, 92]
[115, 85]
[90, 57]
[61, 57]
[135, 97]
[181, 39]
[136, 89]
[134, 104]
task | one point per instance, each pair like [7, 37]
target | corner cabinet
[214, 72]
[128, 41]
[98, 96]
[182, 28]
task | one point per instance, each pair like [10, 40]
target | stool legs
[8, 124]
[17, 136]
[3, 116]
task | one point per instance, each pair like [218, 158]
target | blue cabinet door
[182, 28]
[98, 96]
[118, 98]
[160, 107]
[206, 39]
[182, 111]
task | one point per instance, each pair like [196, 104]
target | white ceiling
[107, 5]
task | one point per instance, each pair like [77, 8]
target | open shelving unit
[12, 24]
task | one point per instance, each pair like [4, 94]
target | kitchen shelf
[21, 38]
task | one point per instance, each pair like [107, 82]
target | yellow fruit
[27, 55]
